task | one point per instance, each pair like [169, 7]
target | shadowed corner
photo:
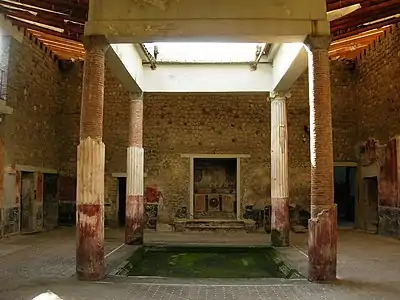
[49, 295]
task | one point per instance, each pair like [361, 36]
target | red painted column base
[322, 246]
[90, 247]
[134, 220]
[280, 227]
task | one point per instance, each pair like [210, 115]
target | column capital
[279, 95]
[318, 42]
[95, 42]
[136, 96]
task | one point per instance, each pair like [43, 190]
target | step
[212, 225]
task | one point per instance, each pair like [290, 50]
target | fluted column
[90, 166]
[135, 167]
[280, 226]
[322, 242]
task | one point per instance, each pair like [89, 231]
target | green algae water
[208, 262]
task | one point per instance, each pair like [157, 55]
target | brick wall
[115, 129]
[30, 132]
[33, 89]
[240, 123]
[47, 100]
[378, 86]
[207, 123]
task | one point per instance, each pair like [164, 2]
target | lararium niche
[215, 188]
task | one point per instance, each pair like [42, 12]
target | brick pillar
[134, 181]
[90, 166]
[279, 171]
[322, 241]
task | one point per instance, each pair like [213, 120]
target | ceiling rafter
[77, 9]
[50, 20]
[361, 29]
[72, 36]
[45, 13]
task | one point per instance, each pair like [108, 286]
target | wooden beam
[367, 36]
[336, 4]
[23, 24]
[365, 16]
[56, 49]
[55, 38]
[62, 45]
[357, 30]
[54, 22]
[61, 6]
[45, 13]
[67, 56]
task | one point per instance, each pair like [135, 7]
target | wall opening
[121, 201]
[345, 194]
[215, 188]
[50, 201]
[28, 205]
[67, 200]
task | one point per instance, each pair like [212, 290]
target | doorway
[28, 205]
[215, 188]
[50, 201]
[345, 194]
[66, 200]
[121, 201]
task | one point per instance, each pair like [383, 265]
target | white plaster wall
[207, 78]
[131, 59]
[289, 63]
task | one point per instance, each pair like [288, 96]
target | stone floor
[369, 268]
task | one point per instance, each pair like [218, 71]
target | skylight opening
[204, 52]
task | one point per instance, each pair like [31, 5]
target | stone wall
[47, 98]
[176, 124]
[115, 129]
[46, 95]
[378, 88]
[33, 89]
[29, 133]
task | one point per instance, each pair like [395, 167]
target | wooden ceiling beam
[53, 4]
[361, 39]
[336, 4]
[365, 16]
[347, 50]
[60, 44]
[43, 13]
[65, 50]
[61, 6]
[354, 31]
[389, 4]
[54, 22]
[20, 23]
[55, 38]
[67, 55]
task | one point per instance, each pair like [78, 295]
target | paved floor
[369, 268]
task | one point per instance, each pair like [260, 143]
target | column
[90, 166]
[135, 167]
[322, 240]
[280, 225]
